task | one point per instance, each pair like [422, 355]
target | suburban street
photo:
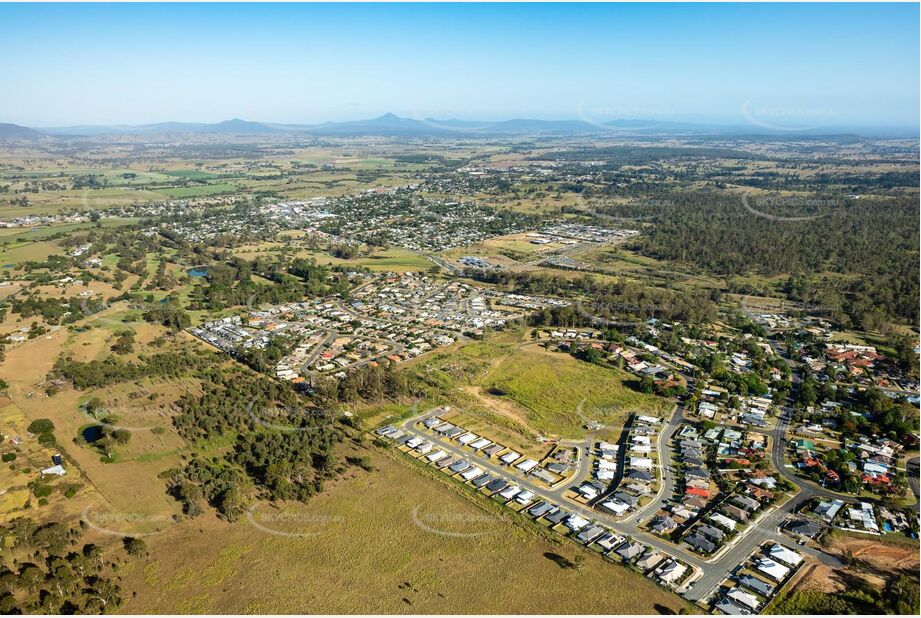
[713, 570]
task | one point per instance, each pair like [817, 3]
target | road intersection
[710, 571]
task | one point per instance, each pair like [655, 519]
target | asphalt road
[713, 570]
[556, 495]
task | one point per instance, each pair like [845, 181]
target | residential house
[730, 609]
[782, 554]
[735, 512]
[671, 572]
[753, 583]
[701, 543]
[630, 550]
[663, 524]
[743, 599]
[649, 560]
[772, 569]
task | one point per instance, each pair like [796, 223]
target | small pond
[92, 433]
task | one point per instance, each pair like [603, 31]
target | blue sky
[781, 64]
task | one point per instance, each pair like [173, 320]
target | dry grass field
[375, 543]
[129, 484]
[560, 394]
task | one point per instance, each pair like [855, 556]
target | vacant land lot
[890, 554]
[375, 543]
[560, 393]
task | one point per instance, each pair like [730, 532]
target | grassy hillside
[551, 387]
[371, 544]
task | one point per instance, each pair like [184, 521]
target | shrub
[135, 547]
[40, 426]
[46, 439]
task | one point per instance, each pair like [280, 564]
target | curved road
[713, 570]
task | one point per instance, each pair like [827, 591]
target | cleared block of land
[561, 394]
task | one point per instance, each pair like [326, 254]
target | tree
[232, 503]
[135, 546]
[647, 384]
[40, 426]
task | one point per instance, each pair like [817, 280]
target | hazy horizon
[852, 65]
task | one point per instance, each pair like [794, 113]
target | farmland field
[199, 190]
[191, 174]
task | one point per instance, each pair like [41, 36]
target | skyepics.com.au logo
[126, 523]
[595, 417]
[789, 209]
[785, 117]
[94, 309]
[444, 126]
[617, 314]
[453, 524]
[754, 306]
[624, 120]
[293, 523]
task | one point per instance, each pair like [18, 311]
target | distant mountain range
[14, 131]
[391, 125]
[386, 125]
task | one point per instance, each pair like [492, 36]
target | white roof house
[787, 556]
[467, 438]
[731, 609]
[743, 598]
[481, 443]
[604, 475]
[524, 497]
[865, 516]
[615, 506]
[471, 474]
[575, 522]
[54, 470]
[609, 541]
[436, 456]
[527, 465]
[671, 571]
[723, 521]
[772, 569]
[642, 463]
[510, 457]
